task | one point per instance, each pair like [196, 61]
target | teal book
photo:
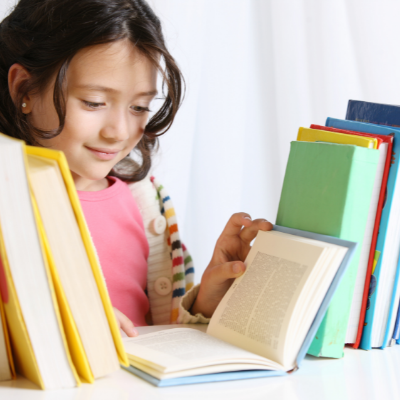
[327, 190]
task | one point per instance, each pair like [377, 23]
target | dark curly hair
[44, 35]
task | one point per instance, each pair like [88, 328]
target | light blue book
[246, 374]
[396, 330]
[380, 318]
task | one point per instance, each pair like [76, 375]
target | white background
[255, 71]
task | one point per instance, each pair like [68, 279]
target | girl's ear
[17, 74]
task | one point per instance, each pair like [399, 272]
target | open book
[264, 324]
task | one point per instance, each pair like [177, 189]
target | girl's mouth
[103, 154]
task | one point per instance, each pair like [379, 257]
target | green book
[327, 189]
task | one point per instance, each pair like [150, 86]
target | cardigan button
[159, 225]
[163, 286]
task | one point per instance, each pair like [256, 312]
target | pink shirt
[118, 234]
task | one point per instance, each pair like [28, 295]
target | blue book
[257, 373]
[396, 330]
[373, 113]
[380, 317]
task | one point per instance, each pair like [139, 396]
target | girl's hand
[125, 324]
[227, 261]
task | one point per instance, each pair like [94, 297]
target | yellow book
[37, 337]
[42, 159]
[315, 135]
[77, 352]
[23, 352]
[7, 369]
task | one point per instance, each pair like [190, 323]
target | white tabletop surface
[359, 375]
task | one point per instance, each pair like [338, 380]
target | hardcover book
[61, 323]
[361, 290]
[373, 113]
[37, 336]
[327, 189]
[383, 299]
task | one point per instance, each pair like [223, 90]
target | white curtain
[255, 71]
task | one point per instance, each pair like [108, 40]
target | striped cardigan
[168, 257]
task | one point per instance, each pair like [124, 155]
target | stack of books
[57, 325]
[308, 286]
[341, 180]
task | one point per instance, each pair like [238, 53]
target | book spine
[393, 327]
[396, 330]
[381, 114]
[393, 310]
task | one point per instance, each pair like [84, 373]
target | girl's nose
[117, 127]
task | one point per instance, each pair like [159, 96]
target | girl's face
[108, 92]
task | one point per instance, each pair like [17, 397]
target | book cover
[396, 330]
[316, 135]
[206, 378]
[327, 190]
[380, 138]
[23, 352]
[386, 212]
[4, 336]
[353, 337]
[373, 113]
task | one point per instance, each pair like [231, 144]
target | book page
[5, 372]
[257, 309]
[352, 327]
[73, 267]
[267, 289]
[181, 348]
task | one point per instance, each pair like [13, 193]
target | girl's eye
[92, 104]
[140, 110]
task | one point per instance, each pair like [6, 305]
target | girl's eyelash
[140, 109]
[92, 104]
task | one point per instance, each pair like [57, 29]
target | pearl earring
[23, 105]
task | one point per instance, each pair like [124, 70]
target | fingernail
[237, 268]
[134, 332]
[249, 218]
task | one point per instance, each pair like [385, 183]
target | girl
[79, 76]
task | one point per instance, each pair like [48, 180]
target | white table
[359, 375]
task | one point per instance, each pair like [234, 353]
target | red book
[382, 193]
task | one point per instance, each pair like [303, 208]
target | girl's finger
[126, 324]
[235, 223]
[250, 232]
[128, 327]
[224, 272]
